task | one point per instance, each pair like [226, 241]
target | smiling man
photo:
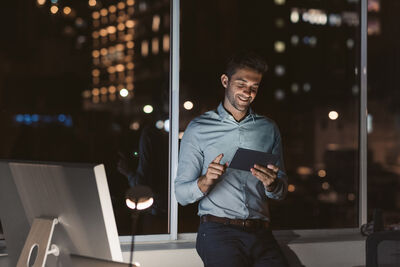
[233, 208]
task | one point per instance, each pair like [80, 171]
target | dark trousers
[222, 245]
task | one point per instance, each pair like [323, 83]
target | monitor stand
[37, 243]
[37, 248]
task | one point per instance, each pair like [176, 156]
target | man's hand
[214, 171]
[267, 175]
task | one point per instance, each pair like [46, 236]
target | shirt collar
[224, 114]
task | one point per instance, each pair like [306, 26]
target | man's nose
[247, 91]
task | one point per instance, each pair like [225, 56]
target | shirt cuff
[277, 190]
[196, 192]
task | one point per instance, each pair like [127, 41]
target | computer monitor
[76, 195]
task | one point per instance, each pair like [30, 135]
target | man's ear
[224, 80]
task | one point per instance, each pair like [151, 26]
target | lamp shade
[139, 197]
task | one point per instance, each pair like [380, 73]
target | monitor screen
[76, 194]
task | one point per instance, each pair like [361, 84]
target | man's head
[241, 80]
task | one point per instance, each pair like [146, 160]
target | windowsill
[188, 241]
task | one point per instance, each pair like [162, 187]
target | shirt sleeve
[280, 189]
[189, 169]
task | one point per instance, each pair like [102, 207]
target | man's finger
[218, 158]
[273, 167]
[216, 166]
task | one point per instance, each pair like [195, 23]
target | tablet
[244, 159]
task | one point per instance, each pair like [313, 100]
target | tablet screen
[244, 159]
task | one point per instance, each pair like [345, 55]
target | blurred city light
[294, 88]
[188, 105]
[92, 2]
[335, 20]
[280, 2]
[159, 124]
[148, 109]
[325, 185]
[294, 16]
[280, 70]
[351, 197]
[54, 9]
[166, 125]
[280, 22]
[307, 87]
[294, 40]
[54, 1]
[279, 46]
[41, 2]
[279, 94]
[291, 188]
[350, 43]
[134, 126]
[67, 10]
[322, 173]
[333, 115]
[124, 92]
[156, 23]
[304, 170]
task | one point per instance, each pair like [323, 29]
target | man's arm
[273, 176]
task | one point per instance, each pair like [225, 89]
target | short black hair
[245, 59]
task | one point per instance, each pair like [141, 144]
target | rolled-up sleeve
[281, 188]
[189, 169]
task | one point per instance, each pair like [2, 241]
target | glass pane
[311, 90]
[384, 111]
[87, 81]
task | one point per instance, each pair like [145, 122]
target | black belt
[246, 224]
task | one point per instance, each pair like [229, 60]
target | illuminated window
[95, 91]
[120, 47]
[154, 46]
[130, 44]
[145, 48]
[120, 67]
[95, 15]
[121, 5]
[103, 32]
[112, 9]
[166, 43]
[41, 2]
[111, 29]
[130, 2]
[111, 69]
[92, 2]
[156, 23]
[103, 51]
[112, 89]
[54, 9]
[95, 72]
[130, 66]
[294, 16]
[130, 24]
[95, 34]
[103, 12]
[95, 53]
[103, 90]
[67, 10]
[121, 26]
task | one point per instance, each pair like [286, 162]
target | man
[233, 207]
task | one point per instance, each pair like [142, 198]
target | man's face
[241, 89]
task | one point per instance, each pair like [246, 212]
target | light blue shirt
[238, 194]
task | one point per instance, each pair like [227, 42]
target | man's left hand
[267, 175]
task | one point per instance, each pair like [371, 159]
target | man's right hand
[214, 171]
